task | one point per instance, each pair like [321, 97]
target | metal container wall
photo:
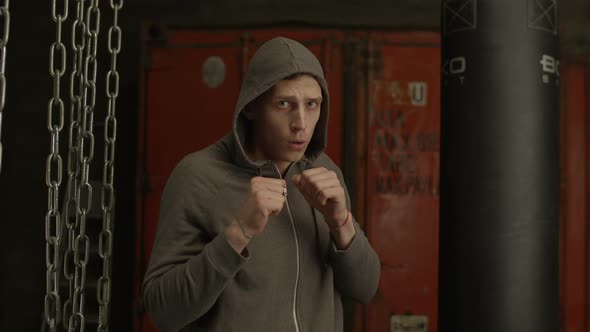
[575, 199]
[402, 174]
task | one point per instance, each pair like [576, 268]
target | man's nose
[298, 118]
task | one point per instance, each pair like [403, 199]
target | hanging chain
[53, 175]
[85, 156]
[108, 191]
[71, 217]
[5, 29]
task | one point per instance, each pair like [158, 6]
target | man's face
[285, 119]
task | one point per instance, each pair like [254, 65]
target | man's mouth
[297, 144]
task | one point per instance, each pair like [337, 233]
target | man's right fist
[266, 197]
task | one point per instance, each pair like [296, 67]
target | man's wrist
[338, 223]
[242, 228]
[236, 238]
[343, 233]
[339, 220]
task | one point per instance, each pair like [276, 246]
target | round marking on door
[213, 71]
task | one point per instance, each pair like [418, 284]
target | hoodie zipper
[296, 249]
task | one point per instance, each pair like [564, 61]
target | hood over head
[275, 60]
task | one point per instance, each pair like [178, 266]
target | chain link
[73, 272]
[53, 174]
[108, 191]
[83, 102]
[4, 32]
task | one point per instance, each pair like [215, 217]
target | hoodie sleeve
[188, 270]
[357, 268]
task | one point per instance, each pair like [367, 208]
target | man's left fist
[324, 192]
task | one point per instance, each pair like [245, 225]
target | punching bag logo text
[550, 67]
[453, 70]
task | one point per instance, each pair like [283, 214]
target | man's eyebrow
[316, 99]
[290, 97]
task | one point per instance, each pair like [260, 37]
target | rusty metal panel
[403, 175]
[190, 84]
[574, 205]
[407, 323]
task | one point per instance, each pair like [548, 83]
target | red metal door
[402, 176]
[188, 102]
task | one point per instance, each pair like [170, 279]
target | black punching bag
[499, 166]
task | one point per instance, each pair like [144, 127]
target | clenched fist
[265, 198]
[324, 192]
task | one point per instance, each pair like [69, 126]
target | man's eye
[312, 104]
[283, 104]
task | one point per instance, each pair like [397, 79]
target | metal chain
[53, 175]
[71, 217]
[5, 29]
[108, 190]
[85, 156]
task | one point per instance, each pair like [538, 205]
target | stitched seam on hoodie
[293, 58]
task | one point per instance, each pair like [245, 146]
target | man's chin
[293, 157]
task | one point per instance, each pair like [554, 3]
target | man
[255, 231]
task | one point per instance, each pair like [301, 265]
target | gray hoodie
[292, 277]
